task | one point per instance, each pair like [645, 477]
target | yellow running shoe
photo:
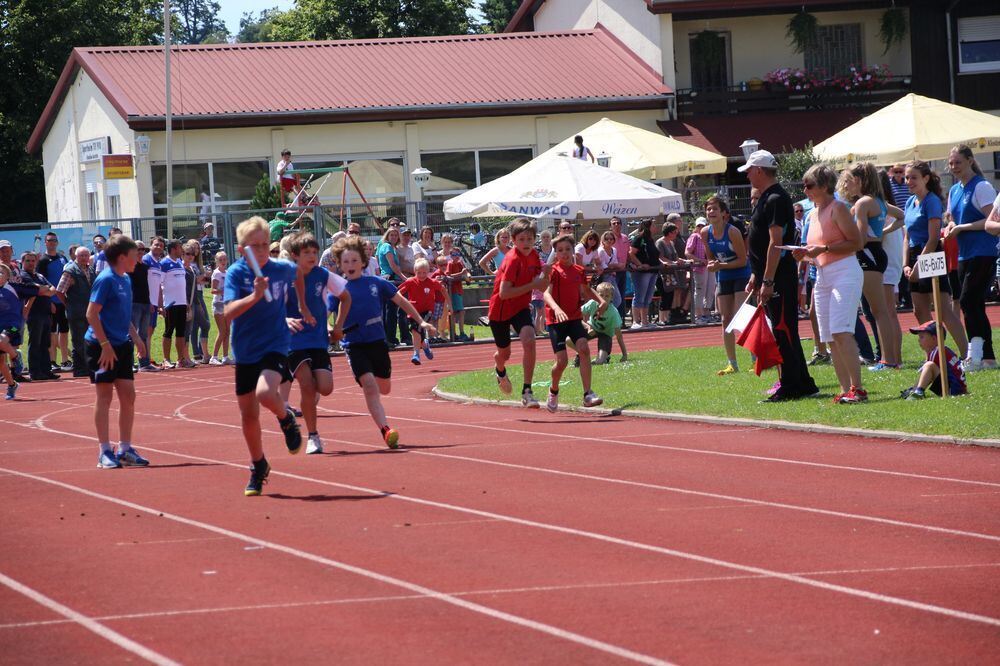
[728, 370]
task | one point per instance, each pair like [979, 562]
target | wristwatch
[767, 283]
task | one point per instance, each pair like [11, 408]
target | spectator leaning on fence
[74, 291]
[51, 265]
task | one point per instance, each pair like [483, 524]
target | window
[111, 191]
[457, 167]
[189, 181]
[496, 163]
[93, 197]
[979, 44]
[236, 181]
[213, 183]
[711, 58]
[837, 48]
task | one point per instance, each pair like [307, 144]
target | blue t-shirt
[368, 295]
[262, 329]
[114, 293]
[917, 216]
[100, 262]
[964, 210]
[11, 308]
[382, 254]
[53, 270]
[318, 281]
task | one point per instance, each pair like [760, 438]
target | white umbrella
[495, 210]
[553, 186]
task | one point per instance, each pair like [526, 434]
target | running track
[496, 536]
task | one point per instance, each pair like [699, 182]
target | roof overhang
[754, 7]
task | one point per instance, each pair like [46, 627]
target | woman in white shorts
[832, 242]
[893, 243]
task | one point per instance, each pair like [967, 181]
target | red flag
[759, 340]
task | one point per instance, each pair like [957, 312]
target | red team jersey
[518, 269]
[566, 282]
[956, 375]
[422, 293]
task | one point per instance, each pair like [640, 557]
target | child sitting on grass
[603, 322]
[930, 371]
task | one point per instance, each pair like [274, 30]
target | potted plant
[801, 31]
[892, 28]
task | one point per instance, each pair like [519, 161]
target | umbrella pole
[942, 361]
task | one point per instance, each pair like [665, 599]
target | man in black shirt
[774, 279]
[39, 319]
[141, 309]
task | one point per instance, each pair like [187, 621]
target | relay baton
[255, 267]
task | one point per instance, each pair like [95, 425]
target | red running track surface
[495, 535]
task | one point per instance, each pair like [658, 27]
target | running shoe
[108, 460]
[215, 360]
[591, 399]
[229, 360]
[167, 365]
[552, 404]
[297, 412]
[912, 393]
[258, 477]
[148, 368]
[972, 365]
[775, 387]
[779, 396]
[11, 391]
[504, 384]
[528, 400]
[55, 367]
[314, 444]
[67, 366]
[728, 370]
[391, 437]
[130, 458]
[290, 429]
[427, 351]
[853, 396]
[819, 359]
[415, 359]
[187, 364]
[635, 327]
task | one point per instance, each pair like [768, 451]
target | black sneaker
[257, 479]
[290, 429]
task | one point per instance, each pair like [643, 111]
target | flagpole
[169, 120]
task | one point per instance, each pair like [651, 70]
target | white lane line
[87, 623]
[415, 588]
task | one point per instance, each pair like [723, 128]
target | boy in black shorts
[510, 306]
[364, 335]
[568, 287]
[260, 341]
[110, 339]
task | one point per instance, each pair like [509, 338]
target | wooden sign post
[933, 266]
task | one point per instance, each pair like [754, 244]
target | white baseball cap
[5, 243]
[700, 222]
[759, 158]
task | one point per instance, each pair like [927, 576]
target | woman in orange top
[832, 241]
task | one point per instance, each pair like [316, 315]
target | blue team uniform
[364, 321]
[311, 336]
[114, 293]
[261, 330]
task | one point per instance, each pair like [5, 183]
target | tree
[36, 38]
[359, 19]
[265, 195]
[497, 14]
[257, 29]
[199, 20]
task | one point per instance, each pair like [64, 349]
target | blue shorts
[457, 304]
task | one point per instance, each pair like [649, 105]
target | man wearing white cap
[774, 279]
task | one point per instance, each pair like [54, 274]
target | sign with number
[92, 150]
[929, 265]
[118, 167]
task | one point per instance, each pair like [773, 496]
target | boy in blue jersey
[308, 358]
[364, 335]
[11, 323]
[260, 341]
[109, 350]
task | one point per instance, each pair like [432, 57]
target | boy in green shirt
[602, 323]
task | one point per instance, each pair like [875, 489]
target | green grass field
[684, 381]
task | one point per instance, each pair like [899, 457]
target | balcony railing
[764, 99]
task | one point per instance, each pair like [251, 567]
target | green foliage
[36, 38]
[892, 28]
[361, 19]
[709, 48]
[265, 194]
[801, 31]
[497, 14]
[257, 29]
[199, 22]
[792, 164]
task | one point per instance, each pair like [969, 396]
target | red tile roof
[372, 79]
[774, 131]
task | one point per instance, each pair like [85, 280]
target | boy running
[308, 358]
[422, 292]
[260, 340]
[930, 372]
[520, 273]
[604, 323]
[110, 339]
[568, 286]
[364, 335]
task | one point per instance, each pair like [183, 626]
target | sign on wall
[92, 150]
[118, 167]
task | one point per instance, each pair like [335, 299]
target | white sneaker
[229, 360]
[591, 399]
[552, 404]
[972, 365]
[635, 327]
[167, 365]
[314, 444]
[528, 400]
[215, 361]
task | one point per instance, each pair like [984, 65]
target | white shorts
[892, 243]
[836, 297]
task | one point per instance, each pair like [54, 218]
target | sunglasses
[143, 250]
[807, 186]
[616, 224]
[275, 252]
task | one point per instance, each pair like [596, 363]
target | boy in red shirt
[422, 292]
[930, 372]
[520, 272]
[568, 287]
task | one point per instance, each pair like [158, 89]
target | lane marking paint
[87, 623]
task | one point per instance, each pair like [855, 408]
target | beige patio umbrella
[643, 154]
[914, 127]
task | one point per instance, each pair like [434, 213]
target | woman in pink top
[832, 241]
[695, 252]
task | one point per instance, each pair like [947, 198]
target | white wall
[759, 44]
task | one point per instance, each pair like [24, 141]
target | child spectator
[520, 272]
[456, 273]
[422, 293]
[603, 323]
[110, 339]
[364, 335]
[491, 261]
[218, 310]
[260, 339]
[308, 358]
[568, 286]
[930, 371]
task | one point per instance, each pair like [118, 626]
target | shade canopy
[912, 128]
[552, 186]
[643, 154]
